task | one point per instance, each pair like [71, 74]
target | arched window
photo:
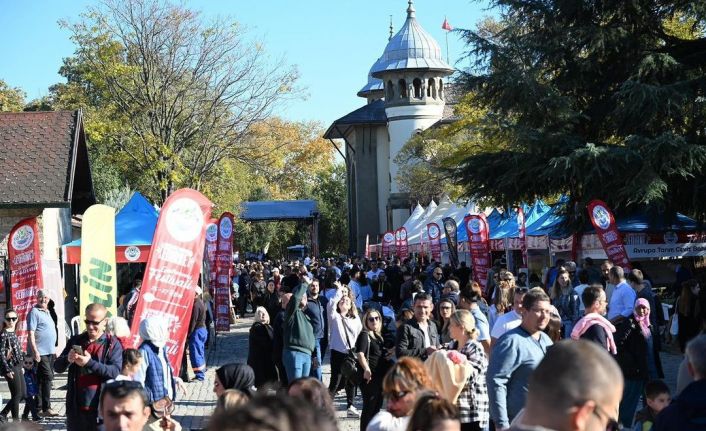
[390, 95]
[417, 83]
[403, 88]
[431, 89]
[441, 89]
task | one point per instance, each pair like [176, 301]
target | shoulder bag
[349, 367]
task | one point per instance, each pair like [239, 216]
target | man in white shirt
[374, 271]
[623, 299]
[510, 320]
[583, 284]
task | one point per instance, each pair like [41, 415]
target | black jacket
[261, 354]
[687, 412]
[410, 339]
[632, 350]
[316, 312]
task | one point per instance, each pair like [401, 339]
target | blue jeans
[631, 397]
[296, 363]
[318, 371]
[197, 346]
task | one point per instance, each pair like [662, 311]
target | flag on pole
[446, 26]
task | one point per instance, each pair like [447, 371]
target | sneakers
[49, 414]
[353, 412]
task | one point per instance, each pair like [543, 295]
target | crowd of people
[424, 346]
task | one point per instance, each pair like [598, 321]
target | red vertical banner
[404, 246]
[211, 246]
[604, 222]
[434, 233]
[25, 272]
[224, 269]
[398, 243]
[479, 243]
[523, 235]
[173, 269]
[388, 238]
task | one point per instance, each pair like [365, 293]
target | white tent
[435, 216]
[414, 231]
[416, 214]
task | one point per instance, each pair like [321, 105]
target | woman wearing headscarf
[260, 349]
[234, 376]
[638, 357]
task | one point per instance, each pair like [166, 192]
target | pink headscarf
[644, 321]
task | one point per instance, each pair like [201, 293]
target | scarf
[595, 319]
[237, 376]
[644, 321]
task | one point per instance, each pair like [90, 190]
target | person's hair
[583, 277]
[533, 296]
[556, 287]
[422, 297]
[123, 389]
[407, 374]
[655, 388]
[437, 309]
[272, 412]
[553, 329]
[8, 311]
[118, 326]
[696, 354]
[131, 357]
[555, 387]
[416, 287]
[95, 307]
[429, 410]
[469, 295]
[687, 299]
[370, 311]
[314, 392]
[465, 320]
[404, 315]
[230, 399]
[503, 297]
[617, 272]
[453, 285]
[635, 276]
[590, 295]
[353, 310]
[266, 320]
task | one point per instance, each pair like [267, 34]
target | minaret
[412, 69]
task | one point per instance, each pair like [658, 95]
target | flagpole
[447, 47]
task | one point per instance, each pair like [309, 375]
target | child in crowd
[132, 360]
[658, 397]
[31, 401]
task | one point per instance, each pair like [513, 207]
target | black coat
[632, 350]
[261, 354]
[410, 339]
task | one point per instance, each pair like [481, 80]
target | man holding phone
[92, 358]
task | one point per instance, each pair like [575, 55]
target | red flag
[434, 233]
[173, 269]
[446, 26]
[478, 241]
[224, 271]
[604, 223]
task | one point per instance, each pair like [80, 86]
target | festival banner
[451, 240]
[25, 272]
[523, 235]
[224, 268]
[404, 246]
[398, 242]
[478, 234]
[99, 282]
[211, 246]
[604, 222]
[367, 246]
[173, 269]
[388, 238]
[434, 241]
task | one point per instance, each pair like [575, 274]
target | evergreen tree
[592, 99]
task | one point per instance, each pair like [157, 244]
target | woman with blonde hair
[473, 401]
[260, 349]
[374, 360]
[344, 327]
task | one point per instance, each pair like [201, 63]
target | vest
[154, 378]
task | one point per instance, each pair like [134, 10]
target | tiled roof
[38, 158]
[372, 113]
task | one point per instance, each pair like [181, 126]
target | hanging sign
[388, 238]
[404, 245]
[451, 240]
[211, 246]
[478, 235]
[434, 241]
[224, 269]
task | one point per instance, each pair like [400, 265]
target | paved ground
[193, 410]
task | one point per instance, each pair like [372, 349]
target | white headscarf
[155, 330]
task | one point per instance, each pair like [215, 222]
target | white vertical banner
[54, 288]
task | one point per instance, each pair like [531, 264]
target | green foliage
[593, 102]
[11, 99]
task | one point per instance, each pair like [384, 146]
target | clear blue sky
[332, 42]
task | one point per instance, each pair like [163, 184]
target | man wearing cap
[42, 344]
[197, 336]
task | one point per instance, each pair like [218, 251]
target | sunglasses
[93, 322]
[396, 396]
[11, 319]
[373, 318]
[612, 425]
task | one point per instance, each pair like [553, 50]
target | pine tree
[592, 99]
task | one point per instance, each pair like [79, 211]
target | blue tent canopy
[279, 210]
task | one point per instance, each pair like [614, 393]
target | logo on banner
[22, 238]
[184, 220]
[211, 232]
[398, 235]
[403, 234]
[226, 228]
[433, 231]
[601, 216]
[132, 253]
[389, 237]
[475, 226]
[670, 237]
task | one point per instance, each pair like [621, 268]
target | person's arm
[504, 361]
[296, 298]
[362, 345]
[114, 362]
[141, 374]
[5, 348]
[31, 328]
[62, 361]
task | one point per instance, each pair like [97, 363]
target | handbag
[162, 407]
[674, 325]
[349, 367]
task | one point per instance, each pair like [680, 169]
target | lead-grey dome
[411, 48]
[374, 85]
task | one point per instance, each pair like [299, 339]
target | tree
[330, 193]
[592, 100]
[187, 92]
[11, 99]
